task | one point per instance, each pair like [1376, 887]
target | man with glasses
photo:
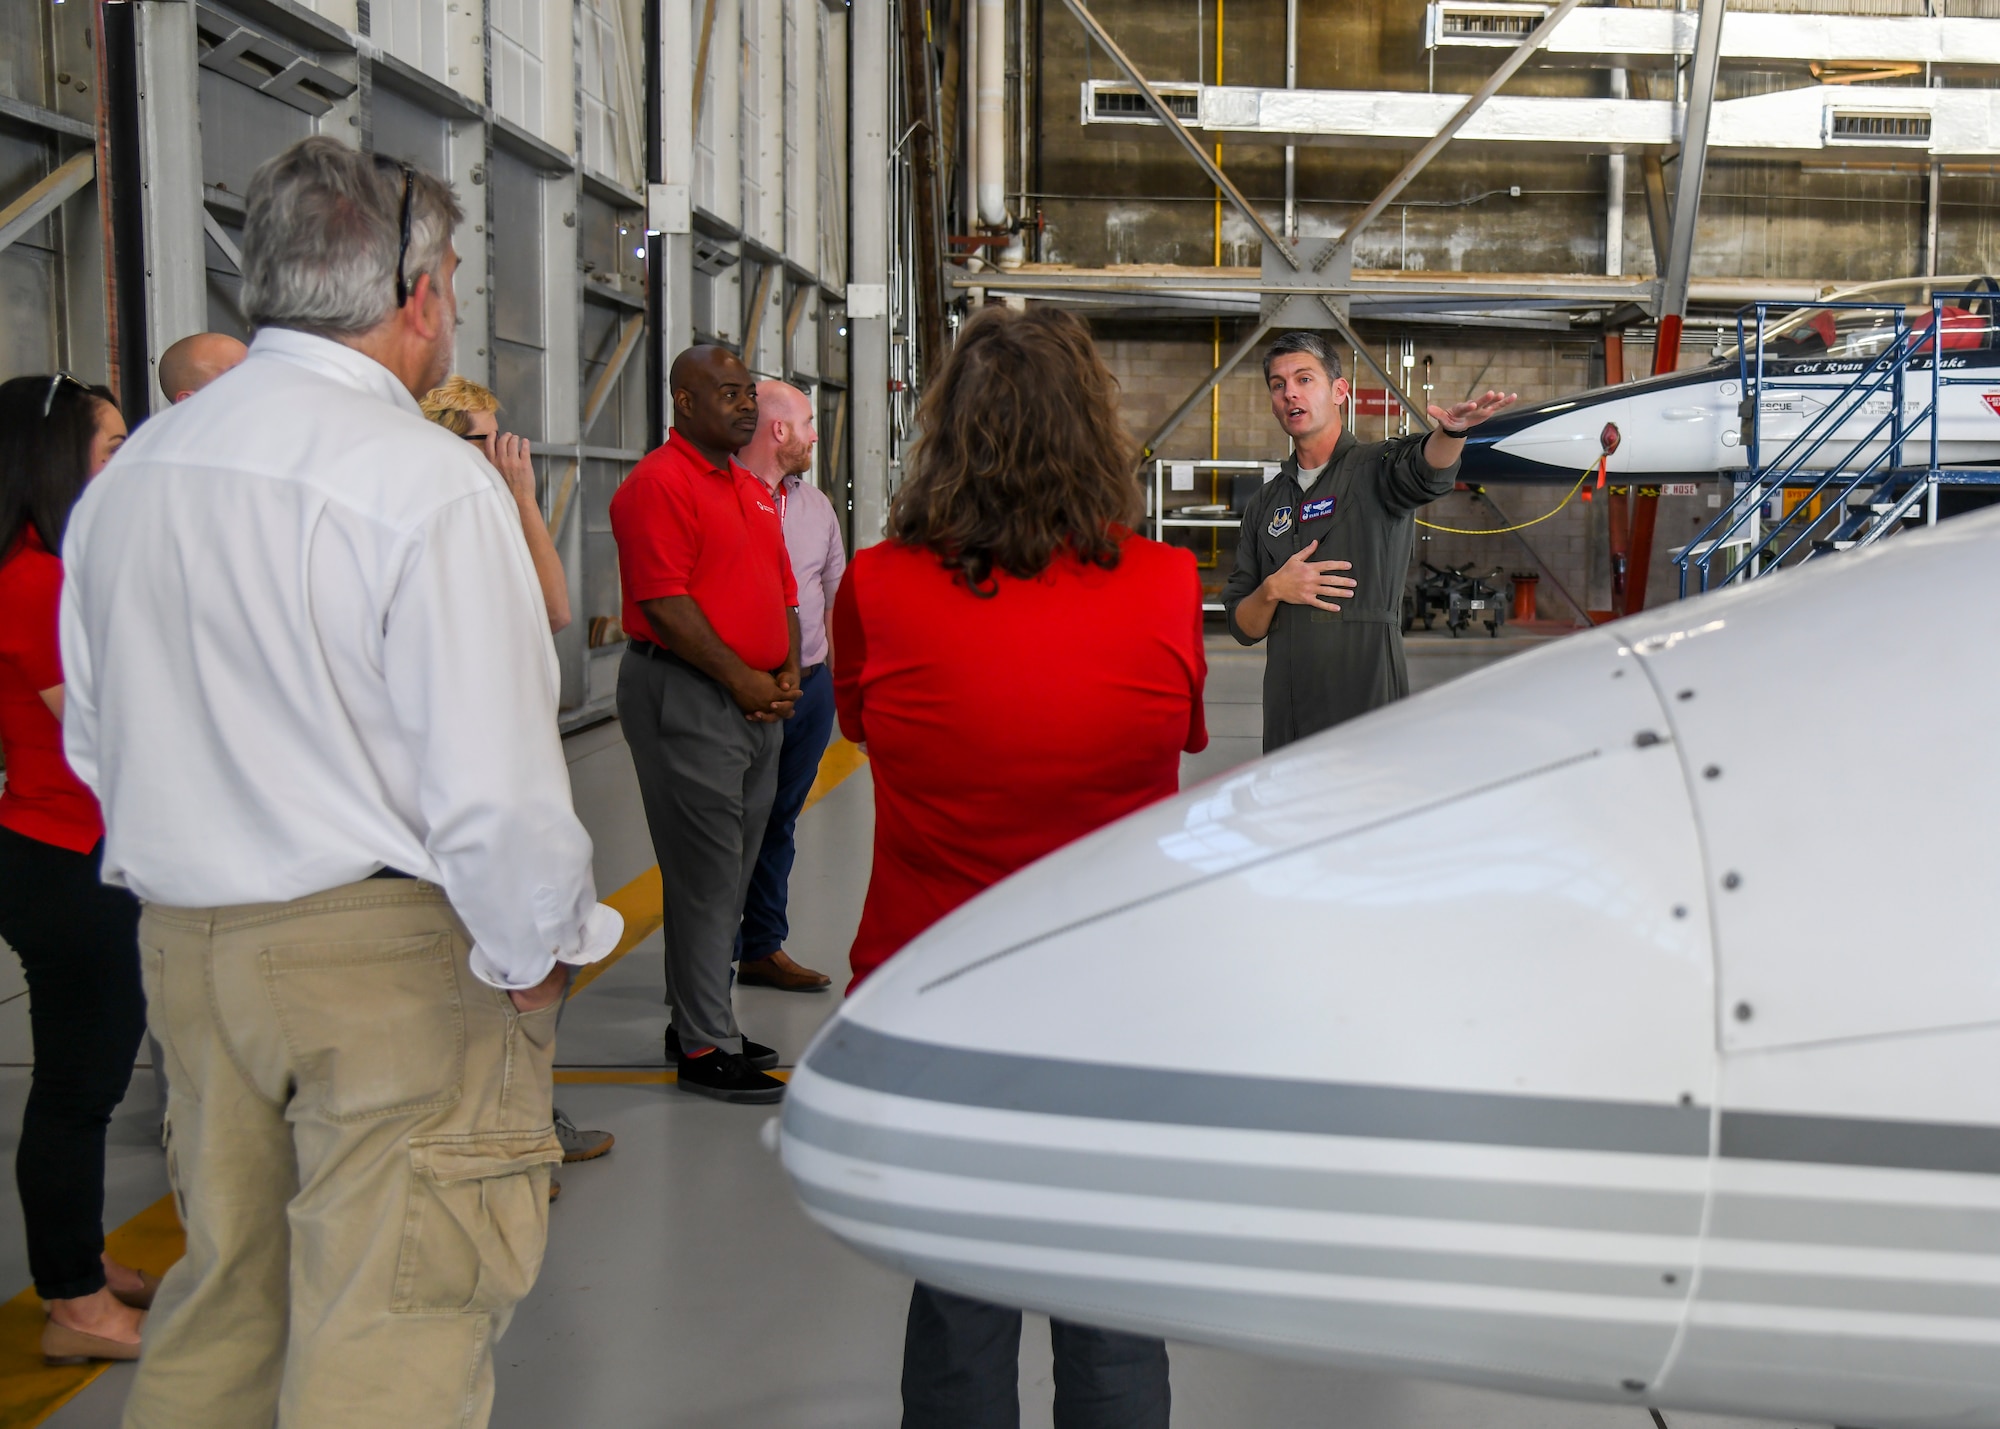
[311, 684]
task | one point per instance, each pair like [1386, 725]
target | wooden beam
[593, 407]
[795, 312]
[44, 198]
[753, 321]
[701, 61]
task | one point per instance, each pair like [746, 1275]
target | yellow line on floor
[30, 1391]
[627, 1077]
[640, 903]
[840, 760]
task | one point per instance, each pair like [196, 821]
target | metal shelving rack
[1160, 515]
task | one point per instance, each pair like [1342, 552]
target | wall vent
[1116, 102]
[1468, 22]
[1878, 126]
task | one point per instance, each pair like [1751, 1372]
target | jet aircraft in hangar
[1695, 424]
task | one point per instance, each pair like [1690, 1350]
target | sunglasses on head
[56, 379]
[403, 248]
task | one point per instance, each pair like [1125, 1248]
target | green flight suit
[1328, 666]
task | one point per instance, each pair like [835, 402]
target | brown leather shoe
[781, 972]
[62, 1345]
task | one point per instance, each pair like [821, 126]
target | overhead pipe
[991, 108]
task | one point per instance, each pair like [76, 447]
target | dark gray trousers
[961, 1370]
[707, 776]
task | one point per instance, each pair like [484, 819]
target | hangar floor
[682, 1286]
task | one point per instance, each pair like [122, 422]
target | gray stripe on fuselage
[1888, 1296]
[1955, 1230]
[1856, 1141]
[1264, 1253]
[1584, 1208]
[863, 1057]
[876, 1061]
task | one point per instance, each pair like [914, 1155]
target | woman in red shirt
[1023, 670]
[77, 939]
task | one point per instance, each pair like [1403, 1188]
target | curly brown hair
[1023, 453]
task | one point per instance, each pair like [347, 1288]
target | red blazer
[1001, 728]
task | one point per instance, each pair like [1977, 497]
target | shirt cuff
[601, 931]
[603, 926]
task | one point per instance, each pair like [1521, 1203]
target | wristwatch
[1454, 435]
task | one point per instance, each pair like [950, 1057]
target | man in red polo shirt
[711, 669]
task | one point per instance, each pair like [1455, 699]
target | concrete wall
[1112, 194]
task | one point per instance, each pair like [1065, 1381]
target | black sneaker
[727, 1077]
[760, 1057]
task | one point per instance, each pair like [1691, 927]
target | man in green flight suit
[1336, 641]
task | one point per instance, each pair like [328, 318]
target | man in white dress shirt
[310, 680]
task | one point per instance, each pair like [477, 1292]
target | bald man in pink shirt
[781, 456]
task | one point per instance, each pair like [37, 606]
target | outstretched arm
[1442, 449]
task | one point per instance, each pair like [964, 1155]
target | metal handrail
[1885, 369]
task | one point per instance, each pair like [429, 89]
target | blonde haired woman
[463, 406]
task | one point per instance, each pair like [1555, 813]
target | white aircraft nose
[1394, 1047]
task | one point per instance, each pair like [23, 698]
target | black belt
[387, 872]
[667, 657]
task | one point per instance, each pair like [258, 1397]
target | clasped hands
[766, 698]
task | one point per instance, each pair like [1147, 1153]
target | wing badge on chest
[1314, 510]
[1281, 521]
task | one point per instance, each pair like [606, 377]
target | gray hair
[323, 231]
[1312, 344]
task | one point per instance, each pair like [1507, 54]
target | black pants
[765, 926]
[962, 1359]
[78, 942]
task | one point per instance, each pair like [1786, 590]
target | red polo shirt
[686, 527]
[43, 799]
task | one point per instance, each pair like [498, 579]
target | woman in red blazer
[1023, 670]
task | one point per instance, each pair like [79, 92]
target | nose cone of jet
[1296, 1059]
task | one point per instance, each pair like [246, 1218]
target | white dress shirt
[302, 640]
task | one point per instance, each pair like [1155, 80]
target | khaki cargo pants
[360, 1143]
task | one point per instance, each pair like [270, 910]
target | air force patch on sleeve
[1281, 521]
[1314, 510]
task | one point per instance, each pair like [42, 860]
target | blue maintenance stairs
[1850, 491]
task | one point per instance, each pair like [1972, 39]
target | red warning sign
[1992, 400]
